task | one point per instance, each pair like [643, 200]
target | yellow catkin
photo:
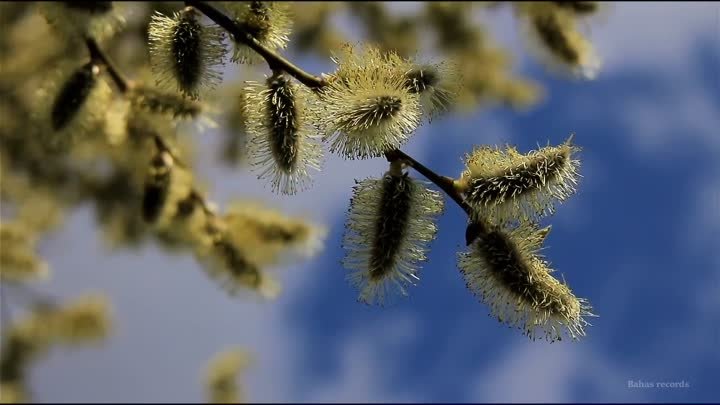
[505, 185]
[504, 270]
[221, 376]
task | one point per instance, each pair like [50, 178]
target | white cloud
[638, 35]
[364, 374]
[532, 372]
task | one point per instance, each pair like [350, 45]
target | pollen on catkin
[505, 186]
[185, 52]
[367, 107]
[221, 376]
[71, 102]
[505, 271]
[553, 36]
[77, 20]
[269, 22]
[283, 145]
[390, 222]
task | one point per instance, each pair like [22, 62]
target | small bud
[390, 222]
[157, 186]
[73, 94]
[503, 269]
[508, 186]
[185, 52]
[166, 184]
[283, 144]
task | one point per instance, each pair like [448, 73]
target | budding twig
[277, 62]
[274, 60]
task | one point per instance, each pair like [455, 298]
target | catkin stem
[445, 183]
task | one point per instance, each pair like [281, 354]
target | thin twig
[97, 55]
[274, 60]
[445, 183]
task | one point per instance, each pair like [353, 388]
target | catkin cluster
[80, 130]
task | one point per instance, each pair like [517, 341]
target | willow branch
[98, 56]
[123, 84]
[274, 60]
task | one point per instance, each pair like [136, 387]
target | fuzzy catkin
[185, 52]
[504, 270]
[283, 145]
[391, 221]
[506, 186]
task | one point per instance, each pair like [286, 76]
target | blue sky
[639, 240]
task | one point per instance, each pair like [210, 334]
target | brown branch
[274, 60]
[98, 56]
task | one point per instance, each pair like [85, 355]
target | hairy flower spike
[283, 144]
[368, 108]
[503, 269]
[186, 52]
[508, 186]
[390, 222]
[267, 21]
[221, 375]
